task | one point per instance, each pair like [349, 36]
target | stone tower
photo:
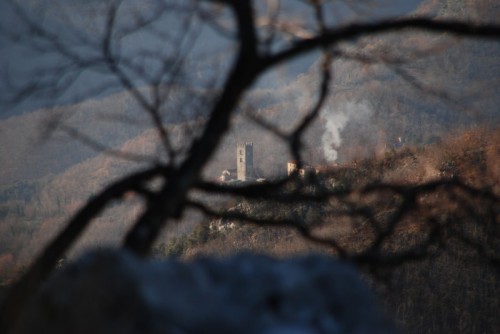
[244, 162]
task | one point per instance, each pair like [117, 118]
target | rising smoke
[336, 118]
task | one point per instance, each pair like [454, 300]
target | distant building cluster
[245, 170]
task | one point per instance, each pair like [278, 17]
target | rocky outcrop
[115, 292]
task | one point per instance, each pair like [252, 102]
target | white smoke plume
[335, 121]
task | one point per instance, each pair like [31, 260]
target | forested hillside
[371, 136]
[48, 169]
[455, 290]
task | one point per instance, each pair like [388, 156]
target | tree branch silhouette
[180, 179]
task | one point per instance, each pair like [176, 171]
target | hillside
[48, 141]
[383, 153]
[472, 156]
[375, 106]
[454, 290]
[428, 86]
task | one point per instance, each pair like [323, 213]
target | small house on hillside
[293, 167]
[228, 175]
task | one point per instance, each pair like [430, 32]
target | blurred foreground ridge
[115, 292]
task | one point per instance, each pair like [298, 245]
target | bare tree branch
[173, 197]
[16, 298]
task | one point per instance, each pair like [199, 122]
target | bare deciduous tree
[261, 37]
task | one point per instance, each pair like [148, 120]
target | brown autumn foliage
[455, 289]
[472, 156]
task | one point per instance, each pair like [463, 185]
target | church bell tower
[244, 162]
